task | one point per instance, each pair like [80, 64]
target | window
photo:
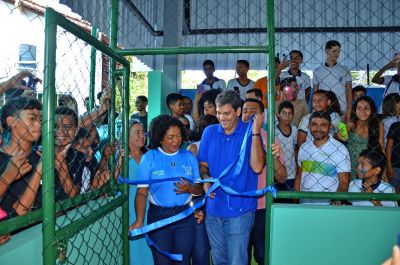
[27, 57]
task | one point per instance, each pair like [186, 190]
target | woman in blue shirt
[137, 137]
[166, 160]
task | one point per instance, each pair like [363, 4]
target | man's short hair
[296, 52]
[16, 105]
[321, 115]
[285, 105]
[257, 92]
[143, 98]
[210, 96]
[62, 110]
[209, 62]
[260, 104]
[321, 91]
[229, 97]
[359, 89]
[332, 43]
[63, 100]
[286, 82]
[245, 62]
[186, 97]
[389, 104]
[173, 98]
[376, 158]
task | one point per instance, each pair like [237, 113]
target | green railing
[50, 235]
[36, 215]
[270, 123]
[47, 214]
[270, 49]
[92, 72]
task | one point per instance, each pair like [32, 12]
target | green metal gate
[103, 218]
[104, 211]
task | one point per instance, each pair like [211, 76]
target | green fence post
[270, 124]
[92, 72]
[49, 96]
[125, 117]
[111, 78]
[125, 164]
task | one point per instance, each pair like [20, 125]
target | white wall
[359, 49]
[73, 55]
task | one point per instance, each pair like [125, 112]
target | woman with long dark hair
[365, 130]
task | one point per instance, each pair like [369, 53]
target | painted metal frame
[50, 235]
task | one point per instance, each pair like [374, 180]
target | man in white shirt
[303, 79]
[334, 77]
[241, 84]
[323, 163]
[211, 81]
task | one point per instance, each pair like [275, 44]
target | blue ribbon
[238, 164]
[175, 257]
[232, 192]
[172, 219]
[149, 181]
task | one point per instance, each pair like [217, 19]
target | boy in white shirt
[241, 84]
[302, 78]
[334, 77]
[320, 103]
[287, 137]
[371, 165]
[211, 81]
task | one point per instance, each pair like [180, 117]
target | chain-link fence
[80, 171]
[363, 52]
[60, 157]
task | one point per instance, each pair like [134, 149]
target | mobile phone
[200, 89]
[342, 130]
[30, 82]
[285, 57]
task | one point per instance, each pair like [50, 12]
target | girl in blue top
[167, 198]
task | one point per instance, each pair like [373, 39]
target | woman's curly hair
[159, 127]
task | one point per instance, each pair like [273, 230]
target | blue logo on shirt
[188, 170]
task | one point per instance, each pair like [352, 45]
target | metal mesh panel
[100, 243]
[89, 223]
[368, 33]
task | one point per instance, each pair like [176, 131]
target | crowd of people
[336, 146]
[81, 155]
[341, 144]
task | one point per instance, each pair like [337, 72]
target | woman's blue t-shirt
[156, 164]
